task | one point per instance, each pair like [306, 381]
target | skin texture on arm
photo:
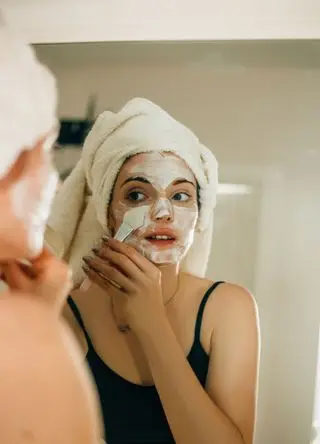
[46, 395]
[226, 413]
[44, 387]
[143, 274]
[234, 359]
[69, 317]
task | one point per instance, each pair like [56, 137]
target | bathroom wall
[258, 110]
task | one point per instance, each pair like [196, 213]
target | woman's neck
[169, 281]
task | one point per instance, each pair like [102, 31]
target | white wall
[45, 21]
[288, 289]
[263, 125]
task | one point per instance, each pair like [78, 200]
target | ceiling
[48, 21]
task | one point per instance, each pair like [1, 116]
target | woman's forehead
[157, 164]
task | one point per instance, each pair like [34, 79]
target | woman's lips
[161, 240]
[161, 243]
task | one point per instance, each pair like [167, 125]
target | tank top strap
[77, 315]
[201, 309]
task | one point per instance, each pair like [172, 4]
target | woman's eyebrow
[146, 181]
[180, 181]
[136, 179]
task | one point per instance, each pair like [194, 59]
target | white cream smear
[161, 171]
[32, 206]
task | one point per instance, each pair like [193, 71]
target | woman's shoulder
[231, 310]
[225, 299]
[232, 298]
[233, 294]
[225, 292]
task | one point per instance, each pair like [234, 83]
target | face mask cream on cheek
[132, 220]
[31, 200]
[183, 225]
[164, 214]
[42, 211]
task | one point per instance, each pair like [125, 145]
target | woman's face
[32, 197]
[29, 195]
[166, 188]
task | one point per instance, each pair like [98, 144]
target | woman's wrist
[153, 328]
[152, 323]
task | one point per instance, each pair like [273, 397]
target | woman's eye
[181, 197]
[136, 196]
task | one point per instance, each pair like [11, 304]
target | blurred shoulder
[226, 299]
[233, 305]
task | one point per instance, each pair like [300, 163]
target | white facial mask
[31, 202]
[163, 209]
[161, 171]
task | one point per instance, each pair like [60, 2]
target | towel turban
[28, 98]
[80, 211]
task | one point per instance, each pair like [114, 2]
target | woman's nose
[162, 210]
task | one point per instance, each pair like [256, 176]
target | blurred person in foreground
[46, 394]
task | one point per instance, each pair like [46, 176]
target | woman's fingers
[96, 278]
[51, 283]
[28, 270]
[120, 262]
[129, 252]
[15, 277]
[39, 263]
[108, 272]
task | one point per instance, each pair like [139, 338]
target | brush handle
[123, 232]
[121, 235]
[85, 285]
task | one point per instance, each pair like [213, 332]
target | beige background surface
[256, 105]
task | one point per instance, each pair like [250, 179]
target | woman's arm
[226, 413]
[42, 377]
[234, 359]
[223, 415]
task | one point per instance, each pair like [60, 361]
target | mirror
[256, 105]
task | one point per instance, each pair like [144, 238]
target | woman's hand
[133, 279]
[47, 278]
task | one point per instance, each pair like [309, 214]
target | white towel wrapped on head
[80, 210]
[28, 98]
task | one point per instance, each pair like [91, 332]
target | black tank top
[132, 413]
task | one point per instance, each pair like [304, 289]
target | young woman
[46, 395]
[173, 354]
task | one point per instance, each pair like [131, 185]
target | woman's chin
[161, 253]
[164, 257]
